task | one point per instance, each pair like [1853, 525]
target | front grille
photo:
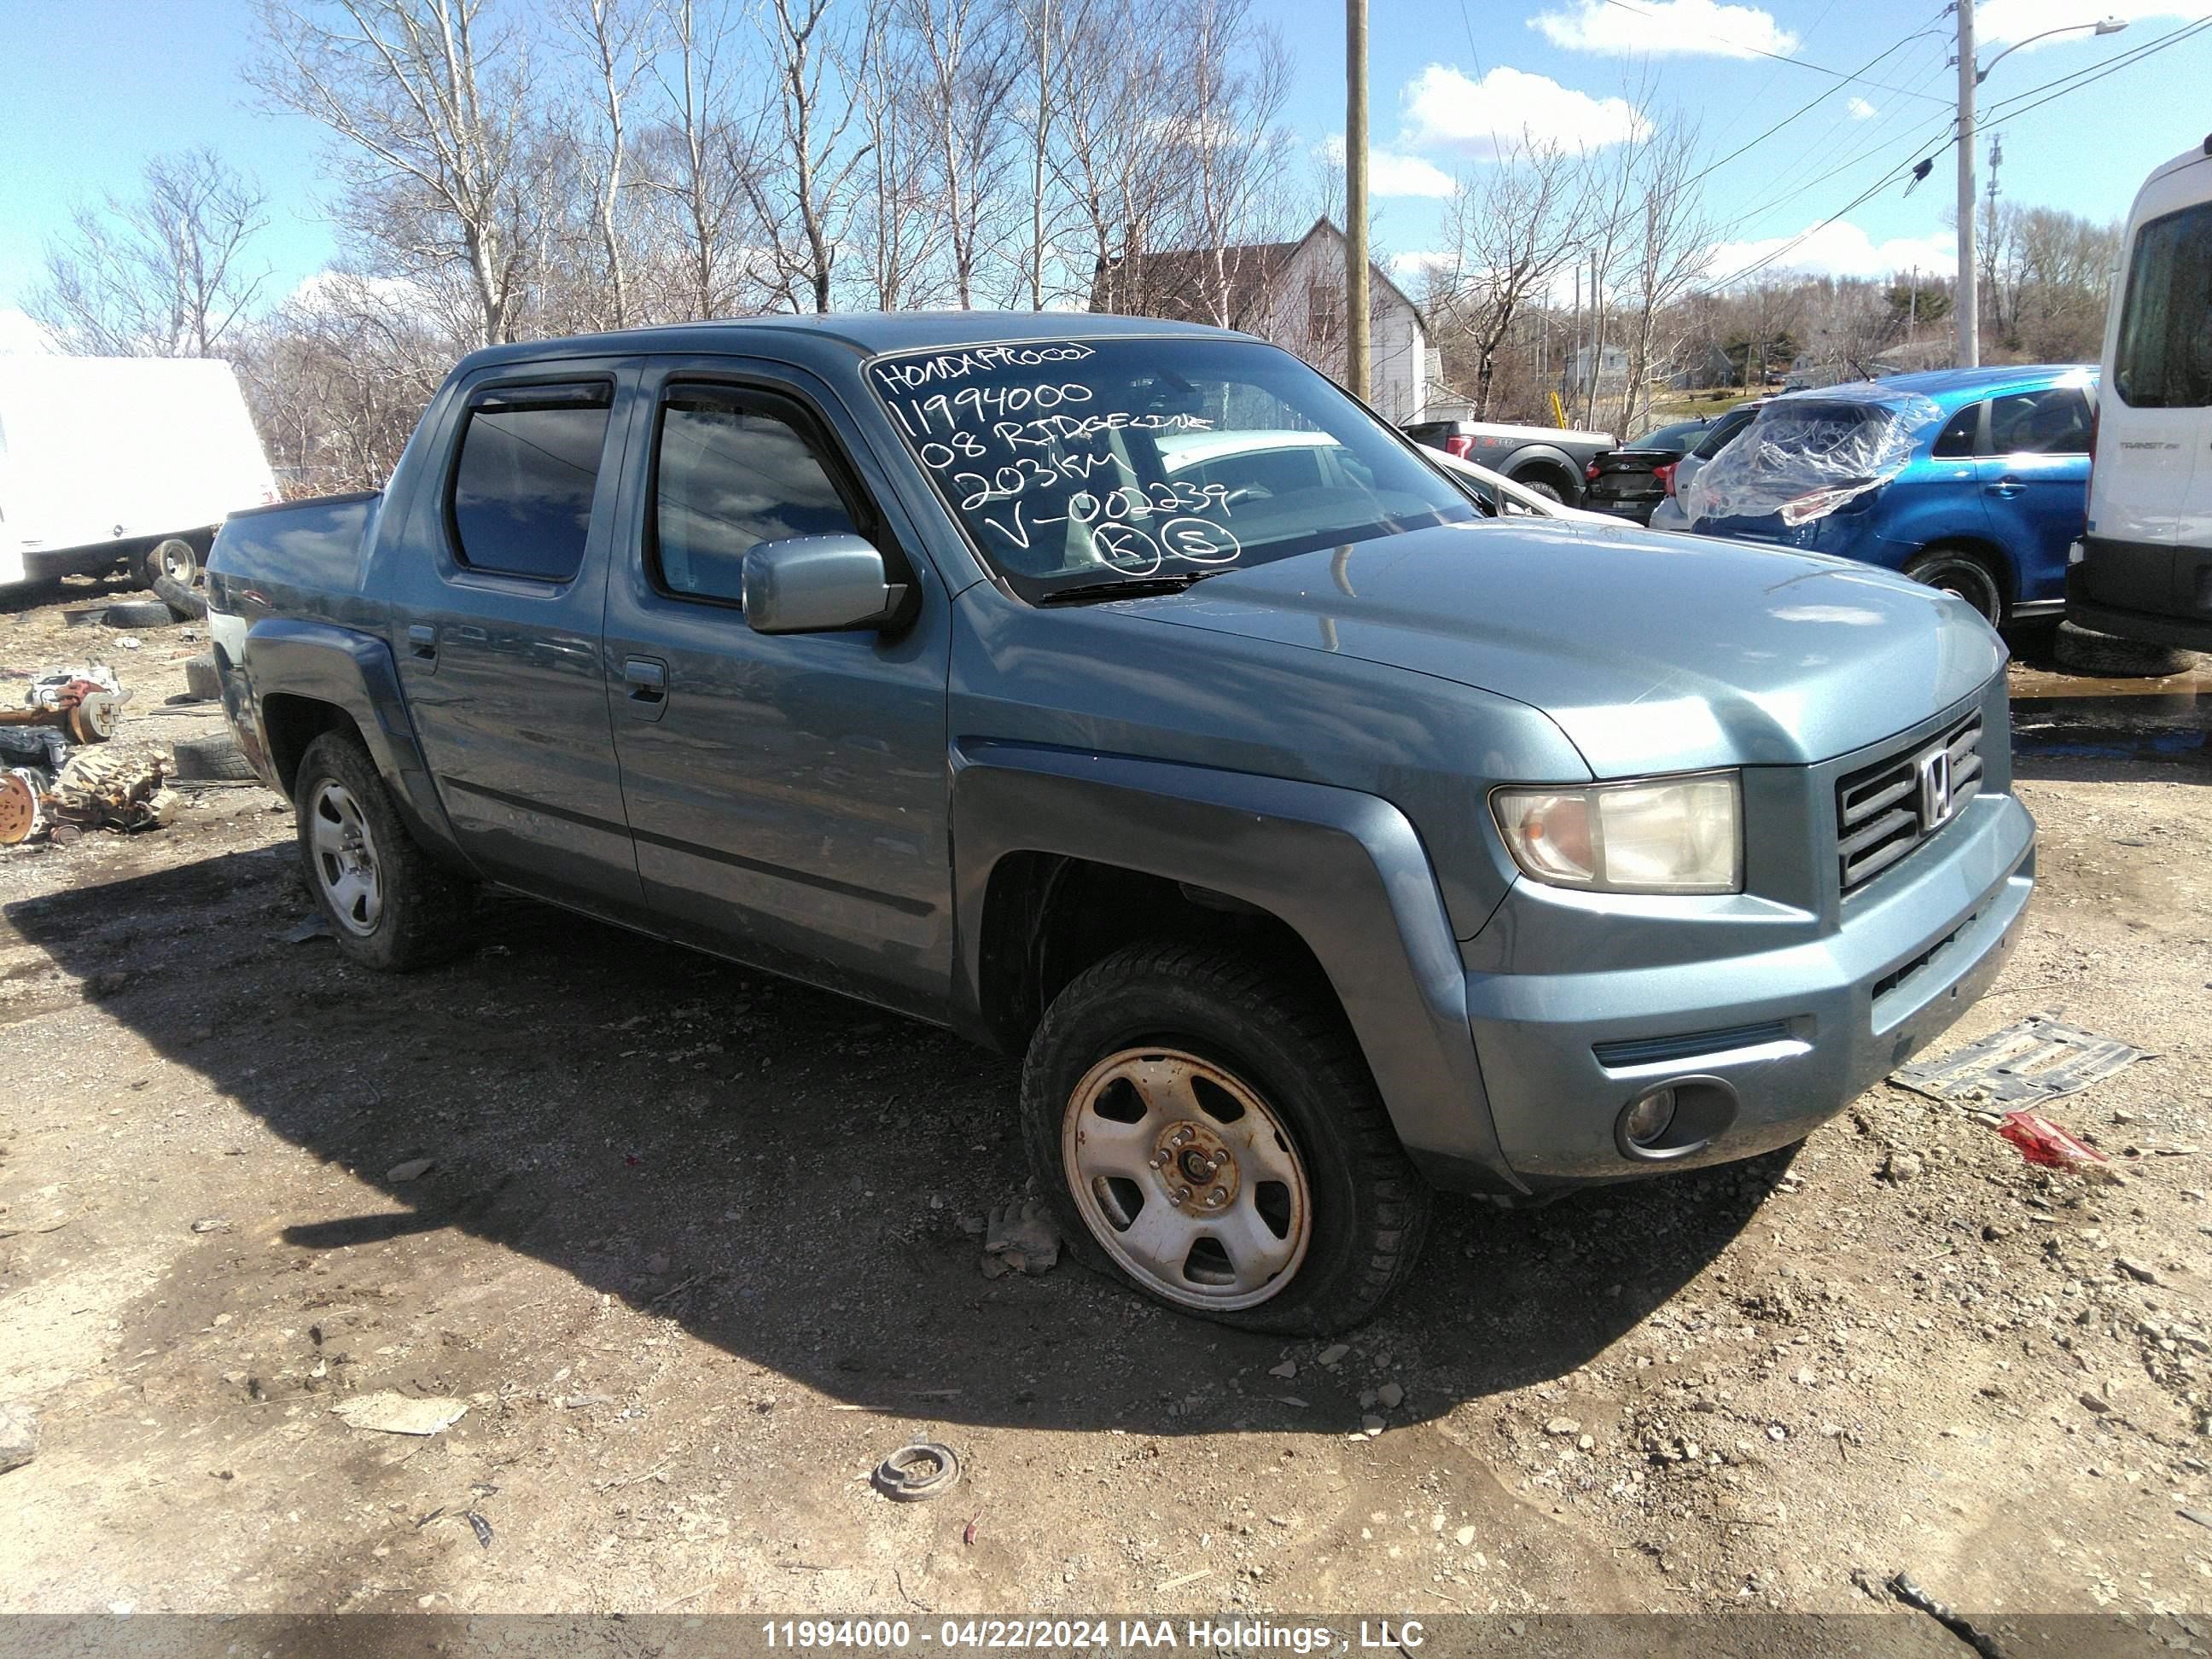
[1653, 1051]
[1884, 811]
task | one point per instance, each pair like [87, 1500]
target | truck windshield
[1076, 462]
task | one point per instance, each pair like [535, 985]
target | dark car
[1549, 460]
[1626, 482]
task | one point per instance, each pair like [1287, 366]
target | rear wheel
[1956, 570]
[1210, 1133]
[1537, 485]
[390, 905]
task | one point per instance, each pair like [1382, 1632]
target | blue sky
[100, 84]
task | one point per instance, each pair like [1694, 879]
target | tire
[203, 680]
[1344, 1211]
[172, 556]
[216, 759]
[137, 613]
[1537, 485]
[1955, 570]
[390, 905]
[2105, 656]
[182, 602]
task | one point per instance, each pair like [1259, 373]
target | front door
[2034, 476]
[495, 624]
[787, 795]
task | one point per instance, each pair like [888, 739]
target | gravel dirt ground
[697, 1248]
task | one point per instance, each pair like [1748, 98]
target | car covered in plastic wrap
[1973, 481]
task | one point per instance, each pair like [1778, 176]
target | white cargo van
[2143, 571]
[108, 459]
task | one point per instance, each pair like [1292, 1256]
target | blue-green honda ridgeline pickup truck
[1125, 694]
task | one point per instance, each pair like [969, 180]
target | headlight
[1668, 836]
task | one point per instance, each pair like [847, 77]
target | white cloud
[1860, 110]
[1389, 173]
[1842, 249]
[1658, 28]
[1418, 265]
[2003, 21]
[1484, 119]
[19, 336]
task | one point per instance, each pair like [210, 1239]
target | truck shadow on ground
[783, 1172]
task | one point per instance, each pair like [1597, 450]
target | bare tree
[1235, 78]
[697, 163]
[619, 40]
[966, 63]
[897, 226]
[1112, 91]
[433, 104]
[165, 274]
[803, 193]
[1669, 248]
[1513, 231]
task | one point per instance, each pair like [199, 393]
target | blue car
[1974, 481]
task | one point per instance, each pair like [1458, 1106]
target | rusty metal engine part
[99, 791]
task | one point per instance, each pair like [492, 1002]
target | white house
[1291, 293]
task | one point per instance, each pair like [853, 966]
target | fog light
[1650, 1117]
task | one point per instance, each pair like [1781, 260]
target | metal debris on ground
[315, 927]
[481, 1527]
[53, 783]
[2043, 1143]
[2037, 1059]
[388, 1412]
[911, 1474]
[1020, 1238]
[1902, 1587]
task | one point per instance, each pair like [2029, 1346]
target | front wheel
[1210, 1133]
[389, 904]
[1953, 570]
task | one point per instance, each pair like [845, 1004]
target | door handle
[2007, 487]
[647, 680]
[422, 642]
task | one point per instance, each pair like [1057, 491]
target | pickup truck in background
[1321, 832]
[1549, 461]
[107, 461]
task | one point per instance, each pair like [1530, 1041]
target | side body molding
[321, 662]
[1344, 870]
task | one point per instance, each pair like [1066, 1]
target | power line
[2078, 80]
[1784, 58]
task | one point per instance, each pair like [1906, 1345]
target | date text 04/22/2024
[1062, 1634]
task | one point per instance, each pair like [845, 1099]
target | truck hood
[1653, 652]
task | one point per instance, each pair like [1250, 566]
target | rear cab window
[2163, 358]
[524, 478]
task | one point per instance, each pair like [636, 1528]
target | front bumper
[1780, 1039]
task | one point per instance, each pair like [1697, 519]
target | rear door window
[1959, 434]
[523, 484]
[2052, 423]
[2164, 356]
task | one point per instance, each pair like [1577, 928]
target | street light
[1967, 299]
[2103, 26]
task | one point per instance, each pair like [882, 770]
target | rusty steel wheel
[19, 806]
[1187, 1178]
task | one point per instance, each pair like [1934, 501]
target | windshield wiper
[1129, 587]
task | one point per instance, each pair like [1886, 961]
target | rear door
[2034, 469]
[498, 595]
[2153, 489]
[788, 794]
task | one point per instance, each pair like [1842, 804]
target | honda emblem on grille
[1934, 769]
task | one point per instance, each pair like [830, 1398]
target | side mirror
[819, 585]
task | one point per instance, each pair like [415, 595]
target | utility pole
[1967, 300]
[1355, 198]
